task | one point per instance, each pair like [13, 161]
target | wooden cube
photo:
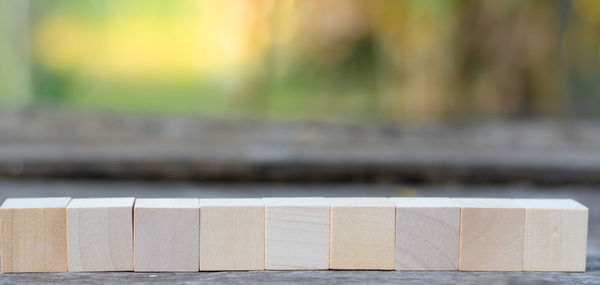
[166, 235]
[427, 233]
[34, 234]
[555, 235]
[296, 233]
[232, 234]
[100, 234]
[491, 235]
[362, 233]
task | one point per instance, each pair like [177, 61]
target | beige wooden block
[427, 233]
[491, 235]
[362, 233]
[232, 234]
[166, 235]
[296, 233]
[555, 235]
[34, 234]
[100, 234]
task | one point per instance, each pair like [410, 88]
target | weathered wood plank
[313, 277]
[38, 144]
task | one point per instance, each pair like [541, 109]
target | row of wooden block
[125, 234]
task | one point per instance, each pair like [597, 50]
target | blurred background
[412, 91]
[336, 60]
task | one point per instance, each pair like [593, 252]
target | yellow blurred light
[210, 37]
[62, 42]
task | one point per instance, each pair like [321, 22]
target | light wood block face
[362, 233]
[100, 234]
[296, 233]
[166, 235]
[232, 234]
[427, 233]
[555, 235]
[34, 235]
[491, 235]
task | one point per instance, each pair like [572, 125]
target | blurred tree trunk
[506, 59]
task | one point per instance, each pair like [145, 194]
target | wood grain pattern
[427, 233]
[232, 234]
[100, 234]
[166, 235]
[296, 233]
[555, 235]
[491, 235]
[362, 233]
[34, 235]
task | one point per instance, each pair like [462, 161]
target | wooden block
[362, 233]
[427, 233]
[491, 235]
[296, 233]
[166, 235]
[555, 235]
[232, 234]
[34, 234]
[100, 234]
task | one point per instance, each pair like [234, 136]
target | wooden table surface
[589, 196]
[44, 144]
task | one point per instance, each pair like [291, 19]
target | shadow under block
[100, 234]
[296, 233]
[166, 235]
[34, 235]
[491, 235]
[232, 234]
[362, 233]
[427, 233]
[555, 235]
